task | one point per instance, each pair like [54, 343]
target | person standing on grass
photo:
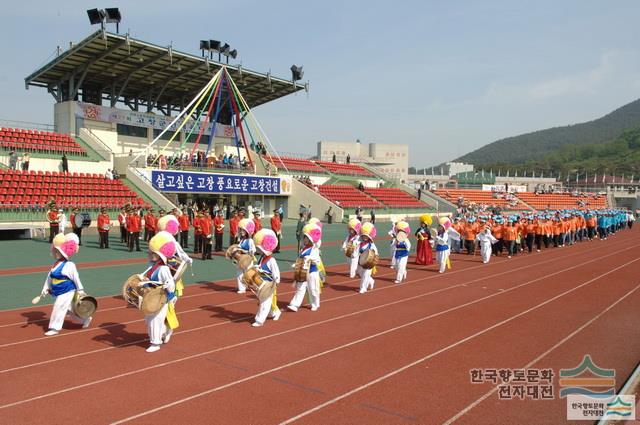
[233, 227]
[133, 223]
[276, 226]
[122, 221]
[183, 222]
[299, 226]
[76, 229]
[218, 223]
[54, 222]
[104, 224]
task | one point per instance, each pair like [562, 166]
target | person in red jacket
[150, 221]
[218, 223]
[233, 227]
[54, 221]
[206, 224]
[276, 226]
[256, 220]
[133, 229]
[197, 230]
[104, 224]
[183, 221]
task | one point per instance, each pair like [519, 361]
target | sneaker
[292, 308]
[314, 308]
[396, 281]
[241, 291]
[153, 348]
[167, 336]
[87, 322]
[508, 256]
[277, 315]
[51, 332]
[256, 324]
[362, 291]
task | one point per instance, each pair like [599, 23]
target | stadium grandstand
[139, 124]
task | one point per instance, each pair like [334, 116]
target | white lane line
[464, 411]
[71, 356]
[431, 355]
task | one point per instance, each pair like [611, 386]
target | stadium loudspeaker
[233, 53]
[113, 15]
[95, 16]
[225, 49]
[215, 45]
[296, 72]
[204, 45]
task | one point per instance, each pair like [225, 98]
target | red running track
[398, 354]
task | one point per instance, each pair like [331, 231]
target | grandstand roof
[123, 69]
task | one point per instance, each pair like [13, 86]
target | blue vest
[401, 250]
[305, 253]
[245, 245]
[268, 274]
[153, 276]
[60, 283]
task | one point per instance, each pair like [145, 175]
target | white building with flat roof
[389, 159]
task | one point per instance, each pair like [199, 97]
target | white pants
[156, 326]
[485, 251]
[62, 307]
[393, 254]
[241, 285]
[313, 285]
[264, 308]
[441, 257]
[366, 281]
[353, 265]
[401, 265]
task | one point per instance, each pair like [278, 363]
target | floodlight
[96, 16]
[113, 15]
[296, 72]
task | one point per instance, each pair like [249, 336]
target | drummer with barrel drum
[368, 256]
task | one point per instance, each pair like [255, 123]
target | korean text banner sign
[194, 182]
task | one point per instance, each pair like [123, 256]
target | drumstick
[36, 300]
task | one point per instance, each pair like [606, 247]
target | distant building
[391, 160]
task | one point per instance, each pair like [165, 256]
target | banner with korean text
[195, 182]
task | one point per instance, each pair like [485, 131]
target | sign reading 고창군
[194, 182]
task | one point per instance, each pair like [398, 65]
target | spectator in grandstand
[25, 161]
[244, 162]
[108, 174]
[225, 160]
[372, 215]
[13, 160]
[65, 164]
[334, 158]
[419, 193]
[348, 158]
[360, 187]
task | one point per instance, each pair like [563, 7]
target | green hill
[537, 145]
[619, 156]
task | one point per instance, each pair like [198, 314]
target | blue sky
[443, 77]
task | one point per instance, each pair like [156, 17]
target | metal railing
[27, 125]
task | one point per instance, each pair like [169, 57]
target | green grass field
[19, 289]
